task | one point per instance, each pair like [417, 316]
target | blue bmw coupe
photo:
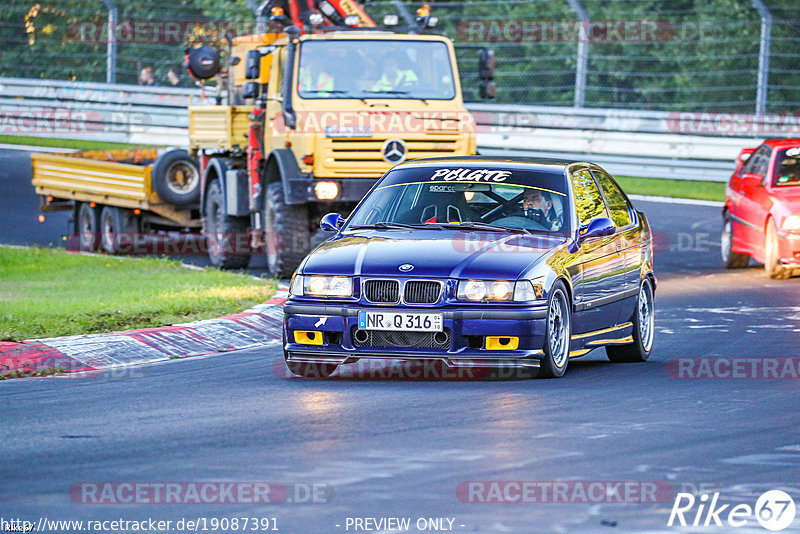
[477, 262]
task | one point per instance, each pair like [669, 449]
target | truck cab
[312, 121]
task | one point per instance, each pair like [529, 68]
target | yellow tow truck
[314, 113]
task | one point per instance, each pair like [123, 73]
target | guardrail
[700, 146]
[96, 111]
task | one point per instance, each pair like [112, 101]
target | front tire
[221, 231]
[558, 333]
[731, 259]
[772, 264]
[287, 232]
[643, 329]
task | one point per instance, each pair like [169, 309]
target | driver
[394, 76]
[539, 208]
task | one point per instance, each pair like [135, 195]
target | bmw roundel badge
[406, 267]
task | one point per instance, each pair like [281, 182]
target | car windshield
[787, 168]
[479, 198]
[375, 69]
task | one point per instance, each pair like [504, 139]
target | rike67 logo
[774, 510]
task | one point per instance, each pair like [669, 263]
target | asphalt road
[402, 447]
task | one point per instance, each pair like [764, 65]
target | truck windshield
[375, 69]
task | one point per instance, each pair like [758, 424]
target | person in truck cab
[314, 78]
[394, 78]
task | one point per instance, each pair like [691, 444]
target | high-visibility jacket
[324, 81]
[403, 77]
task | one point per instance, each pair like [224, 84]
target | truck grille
[384, 291]
[422, 291]
[363, 158]
[388, 339]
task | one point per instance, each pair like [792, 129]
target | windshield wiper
[327, 92]
[404, 93]
[336, 92]
[389, 225]
[485, 226]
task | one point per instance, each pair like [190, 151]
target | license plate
[415, 322]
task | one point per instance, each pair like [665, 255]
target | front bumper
[467, 329]
[789, 249]
[302, 189]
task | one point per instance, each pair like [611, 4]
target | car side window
[758, 162]
[588, 200]
[617, 204]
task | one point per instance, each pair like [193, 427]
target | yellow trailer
[112, 192]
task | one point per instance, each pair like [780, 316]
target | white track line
[671, 200]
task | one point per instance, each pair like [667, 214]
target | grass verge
[49, 292]
[78, 144]
[663, 187]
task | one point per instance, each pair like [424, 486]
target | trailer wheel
[87, 226]
[176, 178]
[117, 228]
[287, 232]
[221, 232]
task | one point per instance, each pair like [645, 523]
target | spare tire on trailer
[176, 178]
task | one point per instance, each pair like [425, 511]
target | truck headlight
[326, 190]
[792, 222]
[322, 286]
[499, 290]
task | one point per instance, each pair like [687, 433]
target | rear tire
[772, 265]
[558, 333]
[731, 259]
[643, 329]
[176, 178]
[117, 229]
[87, 226]
[287, 232]
[221, 231]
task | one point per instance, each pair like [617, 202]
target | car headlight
[498, 290]
[792, 222]
[322, 286]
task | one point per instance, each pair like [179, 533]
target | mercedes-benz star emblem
[406, 267]
[394, 150]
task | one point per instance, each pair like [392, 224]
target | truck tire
[176, 178]
[221, 231]
[87, 226]
[117, 226]
[287, 232]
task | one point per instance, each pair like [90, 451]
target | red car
[761, 218]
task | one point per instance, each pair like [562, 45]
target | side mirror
[251, 90]
[487, 90]
[486, 64]
[602, 226]
[751, 179]
[331, 222]
[252, 64]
